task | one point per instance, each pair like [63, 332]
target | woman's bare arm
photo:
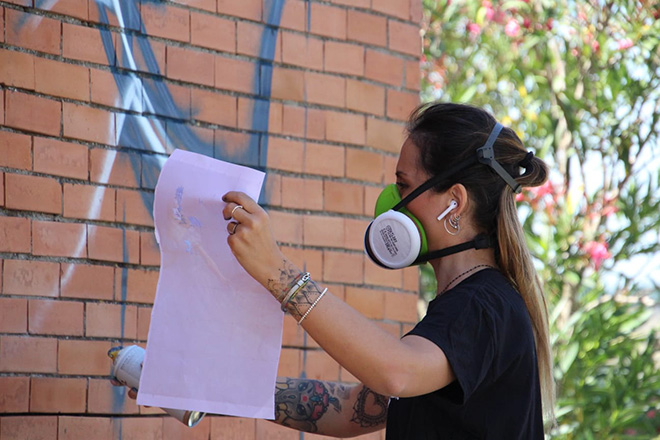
[328, 408]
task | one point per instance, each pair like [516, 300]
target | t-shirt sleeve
[462, 328]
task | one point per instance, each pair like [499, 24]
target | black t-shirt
[483, 327]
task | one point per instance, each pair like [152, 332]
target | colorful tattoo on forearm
[370, 408]
[300, 403]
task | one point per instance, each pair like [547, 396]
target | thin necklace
[465, 273]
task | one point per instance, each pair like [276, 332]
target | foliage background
[580, 83]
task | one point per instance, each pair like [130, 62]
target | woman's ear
[459, 193]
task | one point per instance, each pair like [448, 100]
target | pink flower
[512, 28]
[595, 46]
[474, 29]
[626, 43]
[490, 12]
[520, 197]
[542, 190]
[597, 252]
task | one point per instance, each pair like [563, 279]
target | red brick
[207, 5]
[80, 428]
[284, 154]
[212, 32]
[104, 89]
[143, 322]
[2, 189]
[329, 21]
[377, 276]
[190, 65]
[325, 160]
[57, 395]
[344, 58]
[85, 44]
[28, 354]
[134, 207]
[14, 394]
[401, 307]
[2, 26]
[175, 430]
[28, 427]
[130, 55]
[28, 277]
[302, 193]
[401, 104]
[369, 302]
[33, 193]
[13, 319]
[250, 9]
[294, 14]
[383, 67]
[315, 124]
[149, 249]
[272, 192]
[249, 37]
[58, 239]
[114, 168]
[140, 285]
[2, 106]
[301, 50]
[87, 281]
[287, 227]
[104, 398]
[50, 317]
[60, 158]
[16, 69]
[385, 135]
[32, 113]
[413, 75]
[73, 8]
[411, 279]
[14, 234]
[288, 84]
[142, 428]
[32, 31]
[87, 123]
[290, 363]
[320, 366]
[404, 37]
[268, 430]
[365, 97]
[354, 233]
[85, 358]
[343, 267]
[235, 75]
[325, 89]
[215, 108]
[396, 8]
[105, 321]
[166, 21]
[346, 198]
[113, 244]
[364, 165]
[345, 127]
[89, 202]
[61, 79]
[367, 28]
[416, 12]
[323, 231]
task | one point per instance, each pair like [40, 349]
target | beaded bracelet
[295, 289]
[316, 301]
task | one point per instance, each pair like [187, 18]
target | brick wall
[93, 97]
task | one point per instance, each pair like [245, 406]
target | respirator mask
[396, 239]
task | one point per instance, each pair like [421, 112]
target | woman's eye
[401, 185]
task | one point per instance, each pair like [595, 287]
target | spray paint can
[127, 367]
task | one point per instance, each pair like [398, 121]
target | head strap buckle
[486, 155]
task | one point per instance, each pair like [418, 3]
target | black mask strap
[481, 241]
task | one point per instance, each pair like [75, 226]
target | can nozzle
[113, 352]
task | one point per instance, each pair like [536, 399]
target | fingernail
[224, 198]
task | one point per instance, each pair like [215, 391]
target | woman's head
[447, 134]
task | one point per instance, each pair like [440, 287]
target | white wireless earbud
[452, 205]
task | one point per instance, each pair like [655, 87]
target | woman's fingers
[240, 198]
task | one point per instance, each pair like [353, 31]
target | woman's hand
[251, 238]
[132, 392]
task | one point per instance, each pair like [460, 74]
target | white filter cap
[394, 240]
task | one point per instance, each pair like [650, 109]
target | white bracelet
[294, 289]
[312, 306]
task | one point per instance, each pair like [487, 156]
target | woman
[479, 363]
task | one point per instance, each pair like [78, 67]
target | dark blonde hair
[447, 134]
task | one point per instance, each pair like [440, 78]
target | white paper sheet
[215, 334]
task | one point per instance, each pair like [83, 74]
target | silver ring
[235, 208]
[233, 231]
